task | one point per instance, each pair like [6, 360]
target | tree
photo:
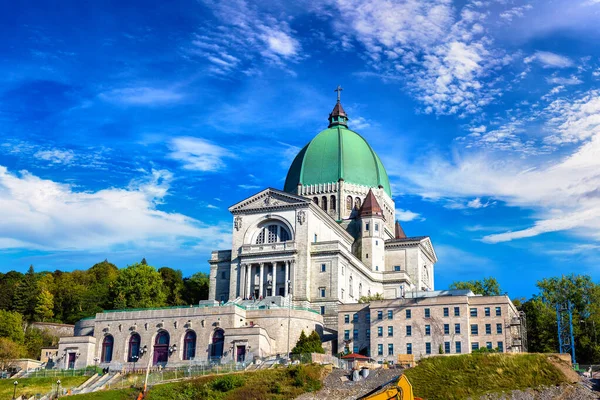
[36, 339]
[9, 351]
[310, 344]
[541, 326]
[196, 288]
[138, 286]
[25, 295]
[45, 306]
[487, 287]
[173, 280]
[8, 284]
[11, 326]
[370, 298]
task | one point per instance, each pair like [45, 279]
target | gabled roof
[370, 207]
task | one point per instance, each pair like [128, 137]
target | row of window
[390, 330]
[447, 347]
[427, 312]
[324, 202]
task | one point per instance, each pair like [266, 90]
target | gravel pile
[334, 388]
[563, 392]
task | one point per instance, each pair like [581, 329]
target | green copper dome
[337, 153]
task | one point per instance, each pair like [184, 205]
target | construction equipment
[397, 389]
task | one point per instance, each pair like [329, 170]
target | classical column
[287, 277]
[261, 280]
[248, 280]
[242, 280]
[274, 277]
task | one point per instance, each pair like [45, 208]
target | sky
[128, 128]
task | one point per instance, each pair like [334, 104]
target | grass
[32, 386]
[459, 377]
[120, 394]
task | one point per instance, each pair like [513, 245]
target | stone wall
[59, 330]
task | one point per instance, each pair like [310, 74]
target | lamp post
[58, 388]
[141, 352]
[134, 358]
[15, 391]
[172, 349]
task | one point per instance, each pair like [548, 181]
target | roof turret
[399, 231]
[370, 207]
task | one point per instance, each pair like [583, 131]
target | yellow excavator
[396, 389]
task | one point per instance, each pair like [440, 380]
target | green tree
[11, 326]
[487, 286]
[541, 326]
[36, 339]
[173, 280]
[9, 350]
[44, 309]
[8, 284]
[25, 295]
[370, 298]
[308, 344]
[138, 286]
[195, 288]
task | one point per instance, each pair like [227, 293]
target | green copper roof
[337, 153]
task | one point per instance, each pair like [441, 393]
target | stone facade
[421, 324]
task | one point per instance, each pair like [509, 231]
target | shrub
[227, 383]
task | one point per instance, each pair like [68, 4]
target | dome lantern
[338, 116]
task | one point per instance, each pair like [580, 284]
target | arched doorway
[107, 349]
[161, 348]
[189, 345]
[134, 348]
[218, 342]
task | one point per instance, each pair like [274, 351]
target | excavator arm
[396, 389]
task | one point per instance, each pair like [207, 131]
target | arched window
[316, 200]
[349, 203]
[324, 203]
[350, 290]
[272, 234]
[107, 349]
[189, 345]
[218, 340]
[134, 347]
[332, 203]
[357, 202]
[161, 347]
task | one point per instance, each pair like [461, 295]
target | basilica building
[301, 258]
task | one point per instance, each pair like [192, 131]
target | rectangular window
[457, 311]
[446, 329]
[376, 227]
[379, 314]
[408, 314]
[488, 345]
[346, 335]
[323, 268]
[427, 348]
[498, 328]
[427, 313]
[315, 238]
[474, 346]
[347, 318]
[390, 314]
[355, 317]
[487, 311]
[390, 331]
[447, 347]
[397, 268]
[223, 275]
[366, 226]
[473, 312]
[427, 330]
[501, 347]
[474, 329]
[322, 291]
[368, 334]
[355, 348]
[380, 331]
[446, 312]
[498, 311]
[379, 349]
[408, 348]
[408, 330]
[457, 347]
[457, 328]
[368, 317]
[355, 334]
[390, 349]
[488, 329]
[322, 310]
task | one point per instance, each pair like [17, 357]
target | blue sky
[128, 128]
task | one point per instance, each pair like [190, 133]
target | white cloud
[406, 215]
[572, 80]
[198, 154]
[36, 213]
[515, 12]
[56, 156]
[142, 96]
[359, 123]
[574, 120]
[550, 60]
[246, 33]
[248, 187]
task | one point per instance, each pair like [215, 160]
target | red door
[71, 361]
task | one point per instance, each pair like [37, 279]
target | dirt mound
[562, 392]
[565, 368]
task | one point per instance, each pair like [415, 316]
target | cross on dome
[338, 89]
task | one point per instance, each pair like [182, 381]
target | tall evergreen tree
[25, 295]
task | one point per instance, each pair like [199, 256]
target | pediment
[269, 199]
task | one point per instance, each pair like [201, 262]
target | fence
[58, 373]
